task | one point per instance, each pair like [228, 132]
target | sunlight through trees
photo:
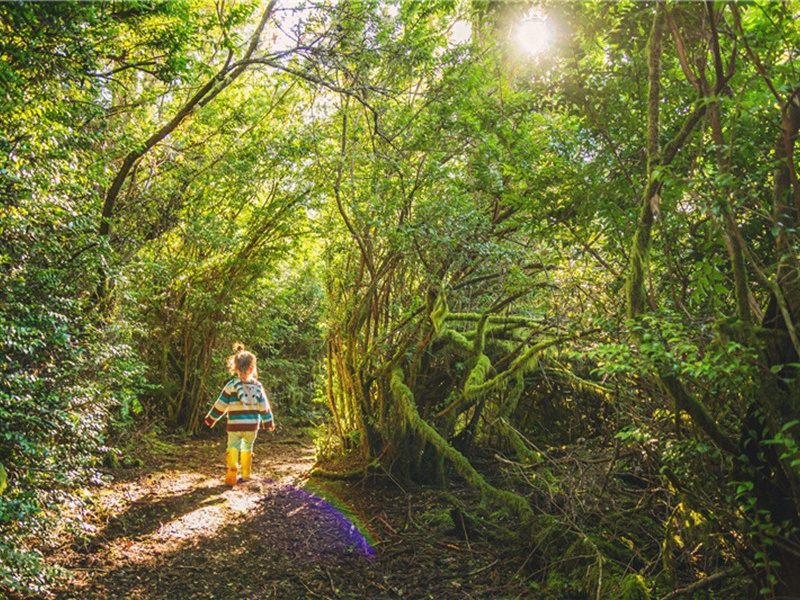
[542, 251]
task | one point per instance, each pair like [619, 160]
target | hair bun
[238, 347]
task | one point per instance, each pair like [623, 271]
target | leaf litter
[172, 530]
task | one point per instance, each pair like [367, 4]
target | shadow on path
[292, 544]
[177, 534]
[147, 514]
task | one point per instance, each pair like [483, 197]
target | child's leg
[232, 457]
[248, 437]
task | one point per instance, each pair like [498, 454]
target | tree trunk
[775, 480]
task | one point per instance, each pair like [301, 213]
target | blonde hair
[241, 362]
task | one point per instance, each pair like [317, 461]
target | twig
[697, 585]
[489, 566]
[454, 547]
[309, 590]
[463, 519]
[330, 578]
[389, 527]
[599, 572]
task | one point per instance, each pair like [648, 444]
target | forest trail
[172, 529]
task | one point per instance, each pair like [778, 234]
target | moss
[582, 550]
[439, 518]
[357, 473]
[632, 587]
[521, 450]
[477, 376]
[480, 334]
[501, 321]
[620, 549]
[512, 396]
[458, 340]
[561, 587]
[404, 399]
[551, 538]
[132, 462]
[439, 314]
[579, 384]
[583, 564]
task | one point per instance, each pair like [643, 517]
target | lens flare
[338, 532]
[534, 36]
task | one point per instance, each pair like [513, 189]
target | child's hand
[210, 422]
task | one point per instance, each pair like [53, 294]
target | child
[246, 404]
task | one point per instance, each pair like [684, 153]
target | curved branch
[699, 413]
[224, 77]
[405, 400]
[702, 583]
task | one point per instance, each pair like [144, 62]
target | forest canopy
[547, 251]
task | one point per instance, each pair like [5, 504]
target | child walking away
[245, 402]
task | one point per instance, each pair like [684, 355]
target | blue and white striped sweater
[245, 403]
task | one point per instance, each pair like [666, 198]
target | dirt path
[172, 530]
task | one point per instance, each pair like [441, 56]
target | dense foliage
[567, 280]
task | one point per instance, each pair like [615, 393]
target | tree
[65, 374]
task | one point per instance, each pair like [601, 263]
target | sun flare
[534, 36]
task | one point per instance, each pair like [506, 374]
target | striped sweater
[245, 403]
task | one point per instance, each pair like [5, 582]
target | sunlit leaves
[76, 77]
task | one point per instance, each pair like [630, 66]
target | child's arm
[265, 412]
[219, 409]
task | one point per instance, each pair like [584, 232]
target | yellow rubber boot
[231, 458]
[247, 462]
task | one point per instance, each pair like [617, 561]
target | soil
[171, 529]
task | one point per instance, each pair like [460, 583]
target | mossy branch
[477, 387]
[404, 397]
[527, 361]
[458, 340]
[467, 398]
[640, 255]
[439, 314]
[494, 319]
[579, 383]
[477, 377]
[699, 413]
[480, 335]
[512, 398]
[656, 161]
[516, 441]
